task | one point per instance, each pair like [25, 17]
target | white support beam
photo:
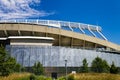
[91, 31]
[101, 34]
[70, 27]
[81, 29]
[59, 24]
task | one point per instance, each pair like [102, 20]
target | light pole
[66, 68]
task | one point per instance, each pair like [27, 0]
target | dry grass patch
[96, 76]
[15, 76]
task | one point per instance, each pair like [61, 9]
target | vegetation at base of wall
[84, 67]
[99, 65]
[114, 69]
[8, 64]
[32, 77]
[38, 68]
[61, 78]
[24, 76]
[43, 78]
[80, 76]
[69, 77]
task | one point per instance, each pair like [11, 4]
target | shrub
[38, 69]
[43, 78]
[99, 65]
[84, 67]
[32, 77]
[114, 69]
[70, 77]
[23, 69]
[17, 67]
[61, 78]
[40, 78]
[7, 63]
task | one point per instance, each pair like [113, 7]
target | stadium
[53, 42]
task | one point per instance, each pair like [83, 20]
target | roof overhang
[30, 37]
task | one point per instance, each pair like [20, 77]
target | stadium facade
[52, 42]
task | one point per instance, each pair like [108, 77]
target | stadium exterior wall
[53, 56]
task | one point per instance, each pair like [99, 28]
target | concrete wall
[51, 56]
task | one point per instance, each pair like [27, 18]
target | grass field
[25, 76]
[16, 76]
[96, 76]
[78, 76]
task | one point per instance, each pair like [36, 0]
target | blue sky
[105, 13]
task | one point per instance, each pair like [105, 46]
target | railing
[60, 24]
[54, 23]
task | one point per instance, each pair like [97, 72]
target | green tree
[105, 66]
[7, 63]
[84, 67]
[23, 69]
[99, 65]
[38, 69]
[113, 69]
[17, 67]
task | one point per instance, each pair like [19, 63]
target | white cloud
[12, 9]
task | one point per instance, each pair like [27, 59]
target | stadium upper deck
[61, 24]
[63, 32]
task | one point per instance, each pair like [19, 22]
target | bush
[99, 65]
[114, 69]
[84, 67]
[23, 69]
[40, 78]
[70, 77]
[7, 63]
[17, 67]
[32, 77]
[61, 78]
[38, 69]
[43, 78]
